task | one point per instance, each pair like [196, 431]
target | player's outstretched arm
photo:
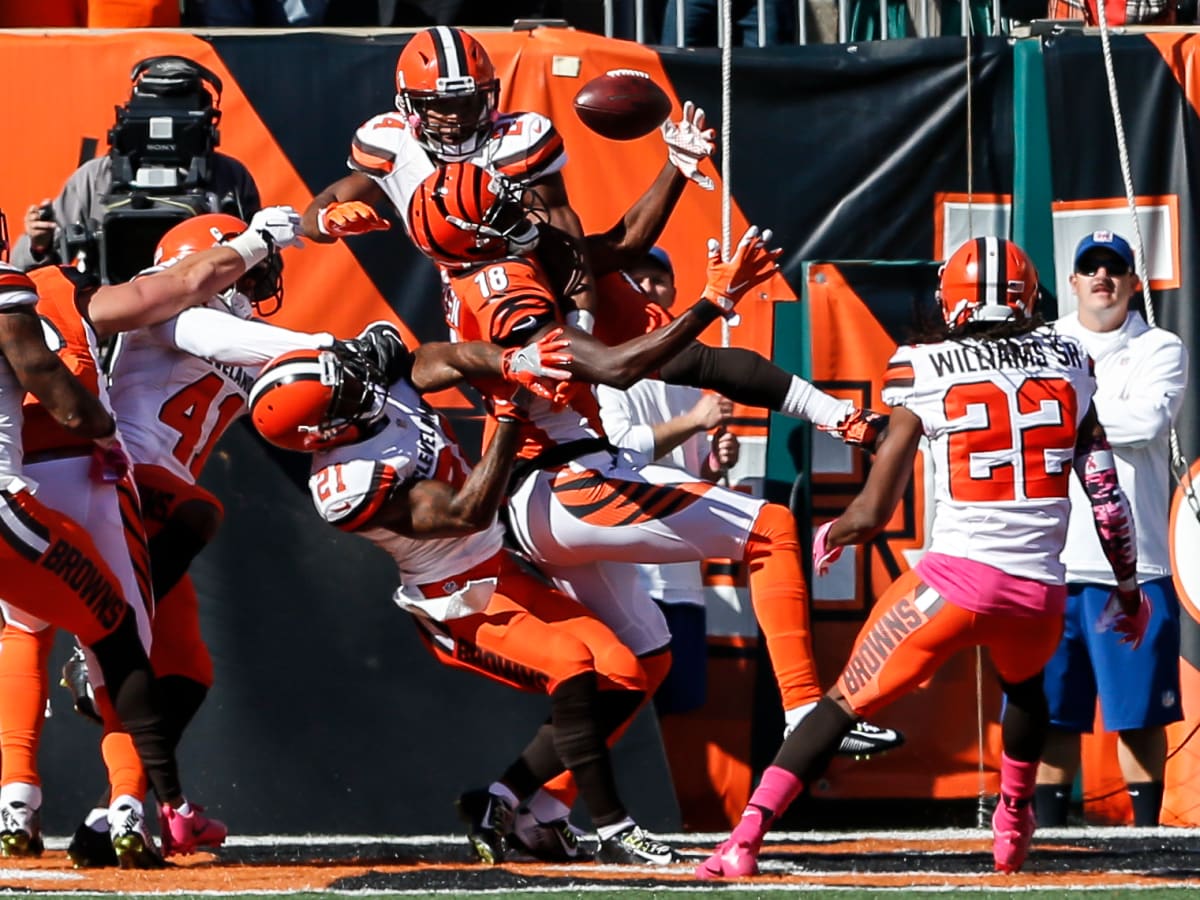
[193, 280]
[435, 509]
[886, 483]
[688, 142]
[539, 367]
[40, 372]
[344, 208]
[751, 264]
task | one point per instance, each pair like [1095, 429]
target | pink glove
[110, 462]
[823, 555]
[1131, 628]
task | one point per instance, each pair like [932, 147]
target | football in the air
[622, 104]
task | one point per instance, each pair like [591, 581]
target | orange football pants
[913, 630]
[51, 569]
[533, 638]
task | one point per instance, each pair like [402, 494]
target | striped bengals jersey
[16, 290]
[177, 386]
[63, 295]
[525, 147]
[1001, 416]
[351, 483]
[506, 303]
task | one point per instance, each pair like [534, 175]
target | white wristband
[321, 222]
[251, 247]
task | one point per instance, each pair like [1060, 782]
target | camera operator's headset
[189, 72]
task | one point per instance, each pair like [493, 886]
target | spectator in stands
[1141, 376]
[701, 20]
[81, 198]
[1130, 12]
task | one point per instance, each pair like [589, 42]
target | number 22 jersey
[1001, 417]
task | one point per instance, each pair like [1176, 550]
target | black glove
[382, 349]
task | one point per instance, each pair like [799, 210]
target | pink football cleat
[733, 859]
[1012, 832]
[182, 834]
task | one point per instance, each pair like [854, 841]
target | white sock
[503, 790]
[609, 830]
[184, 808]
[805, 401]
[19, 792]
[546, 807]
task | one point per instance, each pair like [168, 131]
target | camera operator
[161, 167]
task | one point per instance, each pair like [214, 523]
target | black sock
[579, 740]
[135, 697]
[536, 765]
[182, 697]
[1146, 797]
[1050, 804]
[808, 750]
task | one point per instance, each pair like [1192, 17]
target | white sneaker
[131, 841]
[20, 829]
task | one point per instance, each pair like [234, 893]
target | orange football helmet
[311, 400]
[463, 215]
[261, 283]
[447, 88]
[987, 279]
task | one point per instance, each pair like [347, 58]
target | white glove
[688, 142]
[282, 223]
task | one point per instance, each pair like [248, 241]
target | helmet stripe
[451, 55]
[291, 371]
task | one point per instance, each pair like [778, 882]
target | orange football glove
[859, 428]
[538, 366]
[752, 263]
[352, 217]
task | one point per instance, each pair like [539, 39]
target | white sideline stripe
[39, 875]
[1092, 833]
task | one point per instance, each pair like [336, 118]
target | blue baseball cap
[1106, 240]
[659, 255]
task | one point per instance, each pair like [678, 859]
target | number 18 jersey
[1001, 416]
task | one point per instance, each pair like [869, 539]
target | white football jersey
[351, 483]
[1001, 417]
[16, 290]
[178, 385]
[523, 146]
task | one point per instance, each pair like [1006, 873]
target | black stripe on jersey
[377, 171]
[14, 538]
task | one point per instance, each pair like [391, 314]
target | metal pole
[966, 17]
[843, 20]
[679, 17]
[883, 29]
[639, 13]
[608, 18]
[762, 23]
[801, 22]
[996, 29]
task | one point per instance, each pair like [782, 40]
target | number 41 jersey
[1001, 417]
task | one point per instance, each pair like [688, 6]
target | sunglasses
[1090, 264]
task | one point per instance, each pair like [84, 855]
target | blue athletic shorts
[686, 686]
[1137, 688]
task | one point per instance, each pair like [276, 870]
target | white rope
[1179, 466]
[981, 807]
[726, 142]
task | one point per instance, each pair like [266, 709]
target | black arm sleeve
[741, 375]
